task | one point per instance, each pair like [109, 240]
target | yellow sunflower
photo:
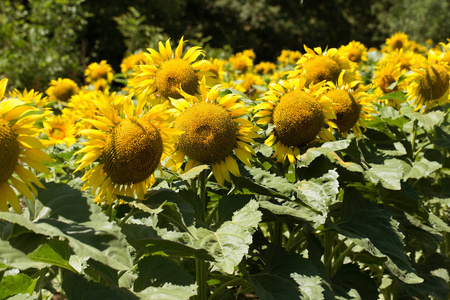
[385, 81]
[30, 96]
[19, 148]
[99, 71]
[405, 58]
[213, 128]
[445, 52]
[62, 89]
[398, 40]
[167, 71]
[241, 62]
[250, 84]
[316, 66]
[429, 83]
[355, 51]
[124, 151]
[299, 114]
[351, 103]
[59, 129]
[265, 67]
[288, 57]
[130, 61]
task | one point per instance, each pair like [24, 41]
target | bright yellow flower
[59, 130]
[288, 57]
[355, 51]
[19, 148]
[429, 83]
[30, 96]
[213, 129]
[301, 117]
[99, 71]
[124, 150]
[62, 89]
[265, 67]
[167, 71]
[130, 61]
[316, 66]
[385, 81]
[351, 103]
[399, 40]
[250, 84]
[241, 62]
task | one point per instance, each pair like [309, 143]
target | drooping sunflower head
[62, 89]
[167, 71]
[99, 71]
[20, 150]
[429, 83]
[299, 114]
[316, 66]
[355, 51]
[125, 150]
[215, 131]
[351, 103]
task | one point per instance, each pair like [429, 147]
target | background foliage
[42, 40]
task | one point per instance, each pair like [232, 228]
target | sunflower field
[322, 175]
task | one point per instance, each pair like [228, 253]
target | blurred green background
[42, 40]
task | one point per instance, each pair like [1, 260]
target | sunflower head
[9, 151]
[62, 89]
[434, 82]
[174, 74]
[347, 110]
[59, 129]
[355, 51]
[298, 118]
[209, 132]
[132, 151]
[99, 71]
[399, 40]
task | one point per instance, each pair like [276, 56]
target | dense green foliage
[46, 39]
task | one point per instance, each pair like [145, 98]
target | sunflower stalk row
[323, 175]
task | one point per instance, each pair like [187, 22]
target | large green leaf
[349, 277]
[372, 228]
[389, 174]
[156, 271]
[53, 252]
[229, 204]
[169, 292]
[78, 287]
[142, 235]
[63, 212]
[231, 241]
[13, 258]
[289, 276]
[422, 168]
[16, 284]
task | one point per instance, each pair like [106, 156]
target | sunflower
[429, 83]
[355, 51]
[241, 62]
[316, 66]
[62, 89]
[166, 71]
[19, 147]
[386, 80]
[265, 67]
[250, 84]
[399, 40]
[30, 96]
[124, 150]
[351, 103]
[299, 114]
[59, 129]
[405, 58]
[81, 107]
[130, 61]
[288, 57]
[213, 128]
[99, 71]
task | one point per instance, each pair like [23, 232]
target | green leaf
[156, 271]
[289, 276]
[349, 277]
[389, 174]
[426, 120]
[53, 252]
[16, 284]
[231, 241]
[228, 204]
[12, 258]
[144, 236]
[62, 212]
[194, 172]
[394, 96]
[78, 287]
[371, 228]
[169, 292]
[422, 168]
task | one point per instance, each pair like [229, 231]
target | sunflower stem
[201, 267]
[413, 137]
[132, 212]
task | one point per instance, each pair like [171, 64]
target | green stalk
[132, 212]
[413, 137]
[201, 266]
[338, 262]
